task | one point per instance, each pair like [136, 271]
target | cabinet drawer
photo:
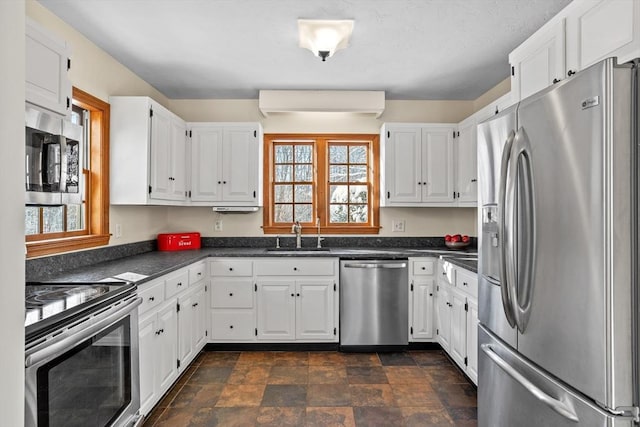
[446, 273]
[231, 294]
[176, 283]
[236, 325]
[296, 267]
[229, 267]
[467, 281]
[197, 273]
[423, 268]
[152, 295]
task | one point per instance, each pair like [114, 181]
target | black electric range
[53, 305]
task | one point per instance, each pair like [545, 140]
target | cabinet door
[160, 146]
[467, 164]
[276, 310]
[472, 340]
[403, 179]
[206, 164]
[598, 29]
[437, 155]
[178, 165]
[185, 328]
[458, 348]
[314, 310]
[167, 350]
[538, 61]
[240, 165]
[46, 60]
[147, 336]
[443, 317]
[422, 309]
[199, 331]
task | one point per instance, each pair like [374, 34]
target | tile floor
[274, 388]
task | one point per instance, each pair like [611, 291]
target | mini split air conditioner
[326, 101]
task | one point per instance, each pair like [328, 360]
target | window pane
[337, 174]
[337, 154]
[358, 154]
[283, 213]
[357, 173]
[284, 154]
[338, 194]
[303, 154]
[337, 214]
[32, 220]
[304, 173]
[303, 194]
[74, 218]
[303, 213]
[284, 193]
[358, 213]
[284, 173]
[53, 219]
[358, 194]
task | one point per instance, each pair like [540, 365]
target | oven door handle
[72, 338]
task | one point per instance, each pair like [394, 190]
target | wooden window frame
[321, 184]
[97, 186]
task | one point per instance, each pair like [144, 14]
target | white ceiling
[230, 49]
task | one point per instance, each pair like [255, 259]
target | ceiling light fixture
[324, 37]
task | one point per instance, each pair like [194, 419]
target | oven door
[88, 374]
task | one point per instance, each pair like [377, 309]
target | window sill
[68, 244]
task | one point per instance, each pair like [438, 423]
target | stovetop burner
[51, 305]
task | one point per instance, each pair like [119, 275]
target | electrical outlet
[398, 225]
[118, 231]
[218, 225]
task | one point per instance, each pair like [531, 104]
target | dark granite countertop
[464, 262]
[155, 263]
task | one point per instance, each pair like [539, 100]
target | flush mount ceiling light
[324, 37]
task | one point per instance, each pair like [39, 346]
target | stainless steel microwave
[53, 159]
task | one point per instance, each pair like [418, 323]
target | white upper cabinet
[598, 29]
[466, 163]
[47, 62]
[226, 167]
[148, 153]
[539, 61]
[417, 165]
[583, 33]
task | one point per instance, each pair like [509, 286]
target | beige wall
[96, 72]
[12, 59]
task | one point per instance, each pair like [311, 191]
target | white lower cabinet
[422, 299]
[276, 300]
[457, 316]
[158, 337]
[171, 330]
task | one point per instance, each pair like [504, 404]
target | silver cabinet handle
[562, 408]
[365, 265]
[502, 230]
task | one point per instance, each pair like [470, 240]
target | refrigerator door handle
[502, 231]
[562, 408]
[520, 182]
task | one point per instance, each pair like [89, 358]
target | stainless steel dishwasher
[374, 303]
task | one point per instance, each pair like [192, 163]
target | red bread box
[178, 241]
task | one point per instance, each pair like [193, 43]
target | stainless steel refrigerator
[558, 264]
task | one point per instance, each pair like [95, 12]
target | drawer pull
[424, 268]
[199, 273]
[230, 294]
[230, 326]
[179, 283]
[293, 295]
[152, 298]
[444, 273]
[297, 295]
[194, 305]
[230, 268]
[464, 284]
[295, 268]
